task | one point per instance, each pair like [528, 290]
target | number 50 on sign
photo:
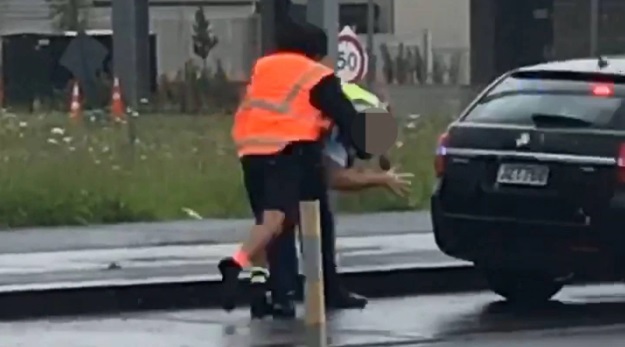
[351, 63]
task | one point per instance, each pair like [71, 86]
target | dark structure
[507, 34]
[32, 69]
[131, 30]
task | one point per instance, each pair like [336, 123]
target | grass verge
[56, 173]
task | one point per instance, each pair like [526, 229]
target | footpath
[173, 265]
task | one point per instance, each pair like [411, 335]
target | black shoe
[260, 303]
[230, 271]
[285, 309]
[343, 299]
[260, 297]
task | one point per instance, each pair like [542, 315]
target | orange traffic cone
[117, 104]
[75, 109]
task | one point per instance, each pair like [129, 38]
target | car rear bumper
[544, 245]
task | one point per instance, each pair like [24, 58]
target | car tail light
[441, 152]
[602, 89]
[620, 162]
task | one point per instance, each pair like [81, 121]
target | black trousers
[283, 260]
[280, 181]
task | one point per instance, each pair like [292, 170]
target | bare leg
[252, 250]
[251, 253]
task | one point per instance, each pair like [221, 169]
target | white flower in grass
[57, 131]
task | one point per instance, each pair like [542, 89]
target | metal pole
[325, 14]
[130, 22]
[594, 27]
[267, 25]
[371, 57]
[314, 297]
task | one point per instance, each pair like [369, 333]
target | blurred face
[328, 61]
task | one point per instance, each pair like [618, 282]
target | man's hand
[398, 182]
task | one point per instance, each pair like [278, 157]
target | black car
[531, 178]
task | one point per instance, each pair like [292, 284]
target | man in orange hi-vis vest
[278, 130]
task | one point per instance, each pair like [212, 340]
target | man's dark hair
[303, 38]
[318, 40]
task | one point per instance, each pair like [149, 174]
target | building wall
[386, 11]
[24, 15]
[572, 28]
[235, 27]
[448, 20]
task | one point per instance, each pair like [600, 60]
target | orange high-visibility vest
[276, 109]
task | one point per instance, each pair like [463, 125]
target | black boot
[230, 271]
[260, 304]
[283, 307]
[284, 274]
[336, 296]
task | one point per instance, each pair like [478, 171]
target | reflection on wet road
[427, 319]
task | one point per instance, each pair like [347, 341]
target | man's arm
[328, 97]
[354, 179]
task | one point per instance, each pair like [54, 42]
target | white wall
[448, 20]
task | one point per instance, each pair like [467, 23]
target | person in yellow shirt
[343, 177]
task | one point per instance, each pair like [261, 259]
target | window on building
[355, 15]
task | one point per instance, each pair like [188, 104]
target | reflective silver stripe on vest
[284, 106]
[551, 157]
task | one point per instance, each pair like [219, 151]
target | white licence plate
[523, 174]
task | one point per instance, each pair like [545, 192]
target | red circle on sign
[354, 41]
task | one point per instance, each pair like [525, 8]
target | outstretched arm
[357, 179]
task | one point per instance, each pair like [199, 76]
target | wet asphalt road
[581, 316]
[206, 231]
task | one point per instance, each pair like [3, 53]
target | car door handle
[460, 160]
[588, 169]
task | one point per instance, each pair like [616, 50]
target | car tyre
[521, 287]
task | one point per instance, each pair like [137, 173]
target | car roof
[615, 65]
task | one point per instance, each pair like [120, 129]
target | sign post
[352, 59]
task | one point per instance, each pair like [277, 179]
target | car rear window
[518, 97]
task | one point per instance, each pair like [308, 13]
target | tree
[204, 40]
[69, 15]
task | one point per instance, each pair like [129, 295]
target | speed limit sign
[351, 63]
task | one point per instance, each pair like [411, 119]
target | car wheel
[522, 287]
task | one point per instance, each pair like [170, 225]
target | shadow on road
[571, 312]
